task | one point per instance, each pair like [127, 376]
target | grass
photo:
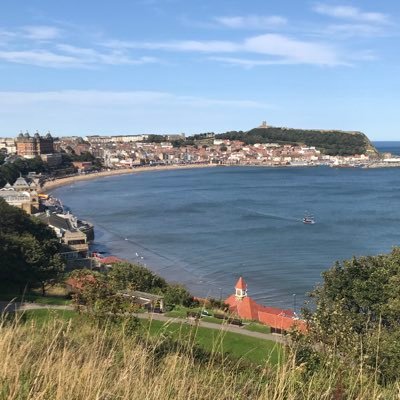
[213, 320]
[55, 296]
[64, 357]
[254, 327]
[180, 312]
[231, 344]
[43, 316]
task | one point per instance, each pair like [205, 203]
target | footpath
[12, 307]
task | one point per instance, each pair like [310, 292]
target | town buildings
[8, 146]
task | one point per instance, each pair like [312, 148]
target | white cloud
[92, 56]
[95, 98]
[292, 50]
[38, 58]
[40, 46]
[282, 48]
[251, 21]
[354, 30]
[249, 63]
[210, 46]
[351, 13]
[67, 56]
[41, 32]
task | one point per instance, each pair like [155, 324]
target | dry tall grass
[76, 360]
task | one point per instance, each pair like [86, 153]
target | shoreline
[49, 185]
[172, 270]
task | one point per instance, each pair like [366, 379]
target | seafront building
[22, 194]
[75, 235]
[31, 146]
[245, 307]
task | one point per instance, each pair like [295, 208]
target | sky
[172, 66]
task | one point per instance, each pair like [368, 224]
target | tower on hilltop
[263, 125]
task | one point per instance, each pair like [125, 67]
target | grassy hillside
[73, 358]
[329, 142]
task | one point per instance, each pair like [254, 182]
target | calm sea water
[206, 227]
[388, 147]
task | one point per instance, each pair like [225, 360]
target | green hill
[330, 142]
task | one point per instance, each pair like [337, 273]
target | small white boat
[308, 219]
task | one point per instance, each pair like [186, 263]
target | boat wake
[268, 215]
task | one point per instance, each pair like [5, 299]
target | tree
[102, 302]
[357, 314]
[28, 250]
[177, 294]
[136, 277]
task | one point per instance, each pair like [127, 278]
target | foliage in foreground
[103, 288]
[357, 316]
[28, 250]
[79, 360]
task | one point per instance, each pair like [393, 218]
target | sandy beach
[49, 185]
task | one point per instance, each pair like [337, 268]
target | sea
[206, 227]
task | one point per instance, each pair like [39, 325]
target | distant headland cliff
[329, 142]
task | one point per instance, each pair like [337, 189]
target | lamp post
[294, 303]
[220, 294]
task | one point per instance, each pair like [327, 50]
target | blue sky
[168, 66]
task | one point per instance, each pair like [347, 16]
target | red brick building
[31, 146]
[245, 307]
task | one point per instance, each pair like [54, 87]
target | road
[4, 306]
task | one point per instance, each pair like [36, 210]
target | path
[12, 307]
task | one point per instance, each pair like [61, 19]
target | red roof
[241, 284]
[244, 307]
[281, 322]
[110, 260]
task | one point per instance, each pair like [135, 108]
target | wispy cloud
[293, 50]
[249, 63]
[251, 21]
[95, 98]
[206, 46]
[38, 58]
[41, 32]
[92, 56]
[39, 46]
[351, 13]
[281, 48]
[354, 30]
[79, 58]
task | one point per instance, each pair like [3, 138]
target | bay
[206, 227]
